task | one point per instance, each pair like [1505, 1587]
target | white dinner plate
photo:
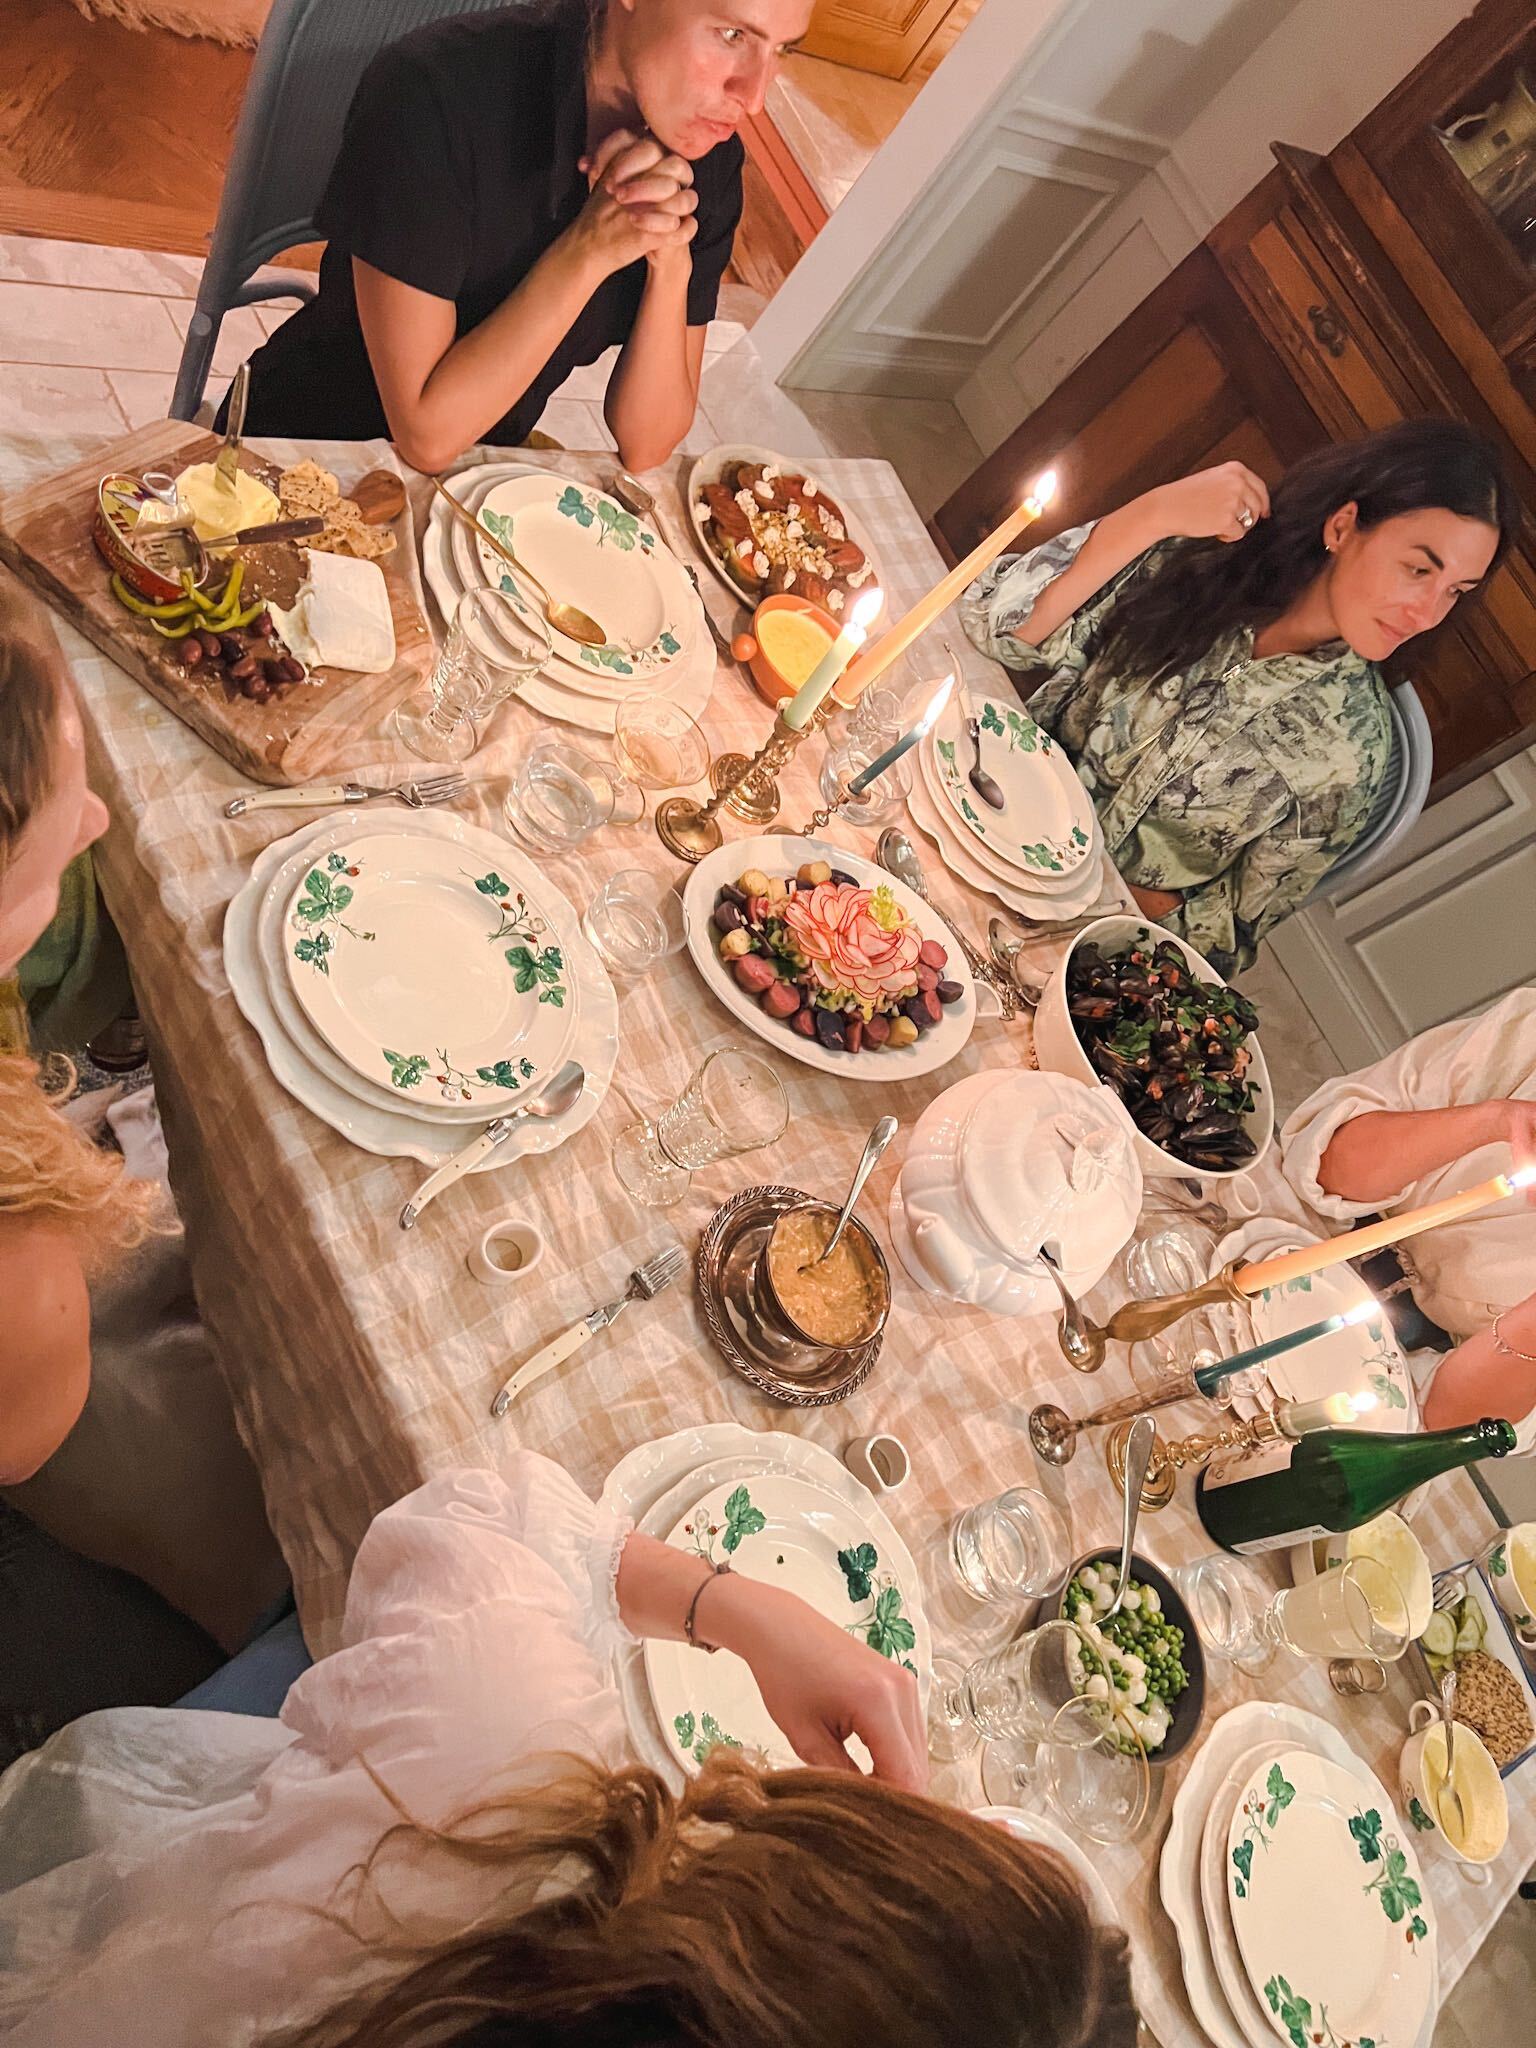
[710, 468]
[779, 854]
[1362, 1359]
[425, 970]
[785, 1532]
[588, 550]
[657, 1482]
[688, 685]
[1231, 1975]
[1058, 889]
[1332, 1917]
[1237, 1732]
[376, 1129]
[1046, 824]
[1089, 885]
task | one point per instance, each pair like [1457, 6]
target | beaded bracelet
[715, 1572]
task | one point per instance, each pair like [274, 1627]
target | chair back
[306, 68]
[1399, 801]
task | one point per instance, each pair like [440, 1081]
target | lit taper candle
[1209, 1377]
[807, 700]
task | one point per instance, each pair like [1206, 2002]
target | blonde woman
[444, 1838]
[142, 1471]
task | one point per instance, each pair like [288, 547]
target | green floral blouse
[1237, 782]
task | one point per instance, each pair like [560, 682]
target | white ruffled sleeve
[1465, 1061]
[483, 1603]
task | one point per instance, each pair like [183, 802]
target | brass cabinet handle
[1328, 330]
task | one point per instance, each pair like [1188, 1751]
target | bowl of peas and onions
[1147, 1659]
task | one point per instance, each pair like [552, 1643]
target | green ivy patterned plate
[1045, 827]
[1332, 1917]
[428, 971]
[784, 1532]
[1362, 1360]
[586, 549]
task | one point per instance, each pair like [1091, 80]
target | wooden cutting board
[308, 733]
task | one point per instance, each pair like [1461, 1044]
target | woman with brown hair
[442, 1839]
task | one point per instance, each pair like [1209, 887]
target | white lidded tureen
[1002, 1163]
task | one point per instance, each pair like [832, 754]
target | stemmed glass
[494, 644]
[735, 1103]
[1024, 1703]
[657, 745]
[1356, 1615]
[883, 800]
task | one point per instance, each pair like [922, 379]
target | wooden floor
[120, 136]
[110, 134]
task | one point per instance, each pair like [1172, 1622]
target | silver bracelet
[716, 1571]
[1509, 1350]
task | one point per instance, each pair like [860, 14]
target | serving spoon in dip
[874, 1147]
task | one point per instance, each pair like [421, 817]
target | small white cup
[509, 1250]
[880, 1462]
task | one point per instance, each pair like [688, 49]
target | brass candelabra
[744, 784]
[1186, 1453]
[1134, 1321]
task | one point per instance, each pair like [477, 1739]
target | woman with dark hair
[1209, 659]
[444, 1841]
[516, 192]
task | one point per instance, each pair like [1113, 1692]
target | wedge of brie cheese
[341, 617]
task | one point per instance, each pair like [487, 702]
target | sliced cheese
[217, 508]
[341, 617]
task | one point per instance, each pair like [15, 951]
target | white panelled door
[1448, 929]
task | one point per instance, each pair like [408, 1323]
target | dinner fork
[433, 789]
[645, 1283]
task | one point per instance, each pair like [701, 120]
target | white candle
[1333, 1411]
[807, 700]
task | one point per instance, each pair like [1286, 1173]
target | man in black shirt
[515, 193]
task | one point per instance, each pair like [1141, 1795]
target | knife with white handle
[299, 799]
[553, 1099]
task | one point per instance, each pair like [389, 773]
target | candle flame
[1523, 1177]
[1362, 1311]
[1043, 490]
[868, 607]
[1361, 1404]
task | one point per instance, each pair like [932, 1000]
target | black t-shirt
[457, 170]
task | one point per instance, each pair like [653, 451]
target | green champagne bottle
[1330, 1481]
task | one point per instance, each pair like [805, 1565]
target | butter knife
[228, 462]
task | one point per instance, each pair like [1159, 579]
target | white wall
[1061, 161]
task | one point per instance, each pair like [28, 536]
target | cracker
[307, 489]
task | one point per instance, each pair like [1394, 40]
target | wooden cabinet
[1395, 277]
[888, 37]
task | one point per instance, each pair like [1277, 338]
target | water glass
[634, 920]
[657, 744]
[1096, 1774]
[1228, 1601]
[1356, 1609]
[1016, 1547]
[735, 1103]
[493, 645]
[882, 801]
[561, 795]
[1010, 1695]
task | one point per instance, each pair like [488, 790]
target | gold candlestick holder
[744, 784]
[1186, 1453]
[1134, 1321]
[1054, 1433]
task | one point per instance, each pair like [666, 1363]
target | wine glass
[657, 744]
[493, 645]
[1009, 1695]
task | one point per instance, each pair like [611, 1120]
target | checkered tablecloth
[360, 1360]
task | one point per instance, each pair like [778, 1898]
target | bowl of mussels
[1137, 1009]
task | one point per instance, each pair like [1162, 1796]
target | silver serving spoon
[553, 1099]
[1006, 951]
[1082, 1342]
[1138, 1456]
[979, 779]
[1448, 1790]
[874, 1147]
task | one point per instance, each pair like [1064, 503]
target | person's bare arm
[1373, 1157]
[1478, 1379]
[1206, 505]
[654, 390]
[819, 1685]
[45, 1356]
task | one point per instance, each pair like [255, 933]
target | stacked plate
[782, 1510]
[411, 981]
[1363, 1359]
[585, 546]
[1041, 853]
[1300, 1907]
